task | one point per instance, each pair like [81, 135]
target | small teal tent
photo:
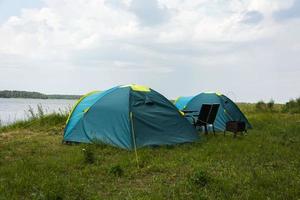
[228, 110]
[128, 117]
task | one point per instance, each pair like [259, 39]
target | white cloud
[215, 45]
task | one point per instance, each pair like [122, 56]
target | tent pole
[134, 142]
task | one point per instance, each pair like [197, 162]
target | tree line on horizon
[34, 95]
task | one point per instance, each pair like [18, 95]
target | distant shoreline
[34, 95]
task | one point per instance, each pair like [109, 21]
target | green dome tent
[128, 117]
[228, 110]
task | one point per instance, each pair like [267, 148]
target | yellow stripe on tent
[217, 93]
[139, 88]
[76, 104]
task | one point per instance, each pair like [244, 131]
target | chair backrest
[208, 113]
[213, 113]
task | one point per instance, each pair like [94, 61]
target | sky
[248, 50]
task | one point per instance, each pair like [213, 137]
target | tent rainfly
[129, 117]
[228, 110]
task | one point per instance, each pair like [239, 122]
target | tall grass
[38, 119]
[32, 114]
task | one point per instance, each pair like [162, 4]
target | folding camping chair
[207, 116]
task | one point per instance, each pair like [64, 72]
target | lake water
[12, 109]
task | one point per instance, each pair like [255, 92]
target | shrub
[116, 171]
[293, 106]
[261, 106]
[200, 178]
[265, 107]
[270, 105]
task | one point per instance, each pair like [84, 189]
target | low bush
[270, 105]
[116, 170]
[199, 179]
[261, 106]
[293, 106]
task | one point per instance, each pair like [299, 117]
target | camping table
[188, 113]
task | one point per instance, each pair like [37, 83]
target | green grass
[261, 165]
